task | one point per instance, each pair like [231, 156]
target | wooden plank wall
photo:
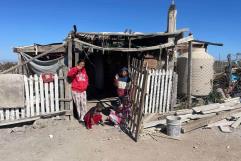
[40, 99]
[159, 95]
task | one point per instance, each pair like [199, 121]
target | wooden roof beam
[141, 49]
[208, 43]
[135, 33]
[40, 49]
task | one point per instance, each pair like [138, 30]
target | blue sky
[24, 22]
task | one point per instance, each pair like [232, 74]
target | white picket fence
[159, 91]
[40, 98]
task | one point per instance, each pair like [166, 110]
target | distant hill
[4, 65]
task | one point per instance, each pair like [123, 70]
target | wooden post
[160, 59]
[189, 78]
[167, 61]
[128, 55]
[70, 60]
[76, 56]
[174, 91]
[61, 89]
[68, 85]
[20, 60]
[229, 70]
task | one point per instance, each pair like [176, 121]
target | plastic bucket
[173, 126]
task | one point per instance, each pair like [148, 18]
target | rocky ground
[63, 140]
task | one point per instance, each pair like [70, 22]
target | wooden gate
[152, 91]
[137, 97]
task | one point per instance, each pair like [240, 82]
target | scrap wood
[184, 112]
[25, 120]
[236, 123]
[54, 114]
[205, 108]
[195, 116]
[154, 123]
[198, 116]
[223, 122]
[183, 117]
[222, 108]
[236, 115]
[205, 121]
[212, 107]
[236, 99]
[225, 129]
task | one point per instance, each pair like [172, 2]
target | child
[93, 116]
[122, 82]
[122, 114]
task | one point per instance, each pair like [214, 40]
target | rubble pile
[226, 116]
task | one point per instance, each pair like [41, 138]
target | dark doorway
[101, 69]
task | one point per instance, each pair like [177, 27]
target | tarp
[11, 91]
[48, 66]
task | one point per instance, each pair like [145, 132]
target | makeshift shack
[150, 57]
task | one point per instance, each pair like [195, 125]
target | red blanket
[92, 119]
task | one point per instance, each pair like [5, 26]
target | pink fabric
[114, 117]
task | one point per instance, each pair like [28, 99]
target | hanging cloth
[40, 66]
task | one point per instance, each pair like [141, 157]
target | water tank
[202, 72]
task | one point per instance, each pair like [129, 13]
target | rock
[17, 129]
[41, 123]
[51, 136]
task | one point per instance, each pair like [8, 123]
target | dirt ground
[64, 140]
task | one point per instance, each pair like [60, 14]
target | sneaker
[101, 123]
[82, 123]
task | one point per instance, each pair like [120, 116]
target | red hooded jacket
[79, 78]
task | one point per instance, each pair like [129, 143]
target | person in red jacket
[79, 86]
